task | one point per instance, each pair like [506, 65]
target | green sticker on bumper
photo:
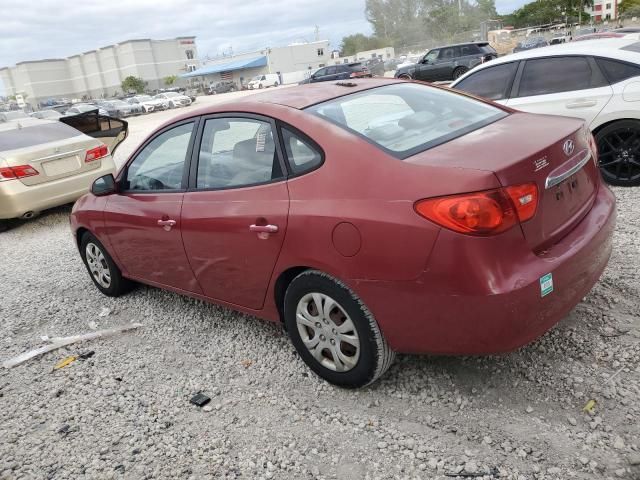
[546, 284]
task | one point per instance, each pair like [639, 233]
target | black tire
[619, 153]
[117, 285]
[373, 357]
[458, 72]
[259, 85]
[405, 76]
[4, 225]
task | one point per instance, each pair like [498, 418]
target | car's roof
[605, 47]
[302, 96]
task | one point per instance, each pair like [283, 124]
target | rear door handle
[582, 104]
[263, 228]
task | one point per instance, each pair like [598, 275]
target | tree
[545, 11]
[170, 80]
[417, 22]
[135, 84]
[359, 42]
[629, 8]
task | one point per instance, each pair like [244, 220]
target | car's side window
[492, 82]
[302, 155]
[617, 71]
[431, 56]
[237, 152]
[331, 70]
[160, 164]
[321, 72]
[544, 76]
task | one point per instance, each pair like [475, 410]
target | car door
[235, 213]
[445, 63]
[424, 69]
[142, 220]
[572, 86]
[318, 76]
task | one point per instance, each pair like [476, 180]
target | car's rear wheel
[103, 271]
[458, 72]
[334, 332]
[619, 153]
[405, 76]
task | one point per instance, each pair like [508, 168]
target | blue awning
[228, 67]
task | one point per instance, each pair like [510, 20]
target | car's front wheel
[405, 76]
[619, 153]
[103, 271]
[334, 332]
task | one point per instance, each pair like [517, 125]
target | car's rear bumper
[16, 199]
[440, 315]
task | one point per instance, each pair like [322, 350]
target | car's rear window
[29, 136]
[405, 119]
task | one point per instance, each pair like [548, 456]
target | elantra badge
[568, 147]
[540, 163]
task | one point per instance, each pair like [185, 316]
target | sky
[40, 29]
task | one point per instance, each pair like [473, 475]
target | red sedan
[370, 217]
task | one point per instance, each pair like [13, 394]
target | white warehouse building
[291, 63]
[99, 73]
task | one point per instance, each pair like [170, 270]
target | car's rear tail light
[21, 171]
[525, 200]
[480, 213]
[96, 153]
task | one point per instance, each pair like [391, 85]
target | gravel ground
[125, 412]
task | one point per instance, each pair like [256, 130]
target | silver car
[47, 163]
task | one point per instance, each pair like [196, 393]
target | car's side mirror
[105, 185]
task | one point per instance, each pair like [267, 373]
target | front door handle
[166, 224]
[582, 104]
[263, 228]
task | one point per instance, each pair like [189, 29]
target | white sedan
[597, 80]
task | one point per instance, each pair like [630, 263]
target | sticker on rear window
[546, 284]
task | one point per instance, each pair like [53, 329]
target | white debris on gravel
[125, 412]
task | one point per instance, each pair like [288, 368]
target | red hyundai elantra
[370, 216]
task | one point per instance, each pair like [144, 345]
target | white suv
[597, 80]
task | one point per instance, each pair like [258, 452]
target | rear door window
[493, 83]
[302, 155]
[545, 76]
[617, 71]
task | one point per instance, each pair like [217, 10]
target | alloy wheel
[98, 265]
[328, 332]
[619, 155]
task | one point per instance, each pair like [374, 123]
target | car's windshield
[85, 108]
[119, 103]
[143, 98]
[171, 94]
[405, 119]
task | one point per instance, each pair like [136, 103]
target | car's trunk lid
[53, 149]
[523, 148]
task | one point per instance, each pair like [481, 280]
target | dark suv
[448, 63]
[223, 87]
[339, 72]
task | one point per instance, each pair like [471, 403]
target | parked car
[12, 115]
[45, 163]
[264, 81]
[597, 81]
[48, 114]
[627, 30]
[560, 37]
[375, 67]
[222, 87]
[84, 108]
[448, 63]
[121, 109]
[476, 230]
[584, 31]
[340, 72]
[147, 103]
[530, 43]
[174, 99]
